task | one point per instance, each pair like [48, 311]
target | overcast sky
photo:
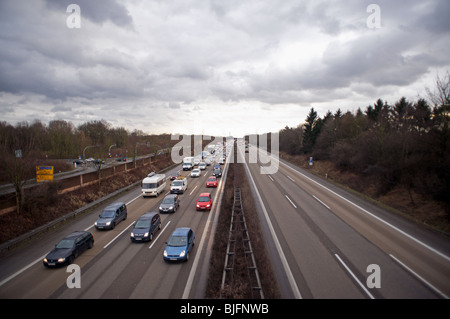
[214, 67]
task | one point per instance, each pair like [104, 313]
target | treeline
[404, 144]
[60, 139]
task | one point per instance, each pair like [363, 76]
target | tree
[311, 131]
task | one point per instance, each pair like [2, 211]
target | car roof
[114, 205]
[181, 231]
[148, 215]
[75, 234]
[171, 196]
[205, 194]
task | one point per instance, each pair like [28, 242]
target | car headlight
[108, 223]
[132, 235]
[165, 253]
[45, 260]
[95, 223]
[208, 205]
[171, 207]
[198, 205]
[61, 260]
[146, 235]
[182, 253]
[160, 207]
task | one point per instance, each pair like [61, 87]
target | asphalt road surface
[328, 243]
[115, 267]
[324, 242]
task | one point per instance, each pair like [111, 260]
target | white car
[195, 172]
[202, 166]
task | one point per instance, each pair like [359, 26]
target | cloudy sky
[215, 67]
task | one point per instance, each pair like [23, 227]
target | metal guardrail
[238, 234]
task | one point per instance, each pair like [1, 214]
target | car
[217, 165]
[211, 182]
[202, 166]
[179, 185]
[217, 172]
[222, 161]
[204, 201]
[180, 245]
[169, 204]
[144, 228]
[174, 176]
[111, 216]
[195, 172]
[69, 248]
[196, 161]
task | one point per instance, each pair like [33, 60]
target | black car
[145, 227]
[217, 172]
[169, 204]
[69, 248]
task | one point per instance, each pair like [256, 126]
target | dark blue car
[179, 245]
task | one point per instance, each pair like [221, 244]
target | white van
[179, 185]
[153, 186]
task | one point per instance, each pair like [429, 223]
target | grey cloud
[98, 11]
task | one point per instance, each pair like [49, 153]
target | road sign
[44, 173]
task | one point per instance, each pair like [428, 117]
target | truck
[188, 163]
[179, 185]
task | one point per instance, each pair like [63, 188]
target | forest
[406, 143]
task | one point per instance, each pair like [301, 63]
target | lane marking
[321, 202]
[292, 203]
[420, 277]
[354, 277]
[160, 233]
[193, 190]
[374, 216]
[118, 235]
[279, 249]
[290, 178]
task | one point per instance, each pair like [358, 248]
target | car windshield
[143, 223]
[177, 241]
[167, 200]
[203, 199]
[149, 185]
[211, 179]
[108, 213]
[65, 243]
[177, 183]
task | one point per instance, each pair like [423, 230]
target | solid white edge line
[283, 259]
[154, 241]
[41, 258]
[419, 277]
[22, 270]
[187, 288]
[374, 216]
[354, 277]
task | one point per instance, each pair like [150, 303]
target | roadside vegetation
[398, 154]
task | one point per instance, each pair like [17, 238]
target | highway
[115, 267]
[323, 241]
[327, 241]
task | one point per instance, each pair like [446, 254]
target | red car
[211, 182]
[204, 201]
